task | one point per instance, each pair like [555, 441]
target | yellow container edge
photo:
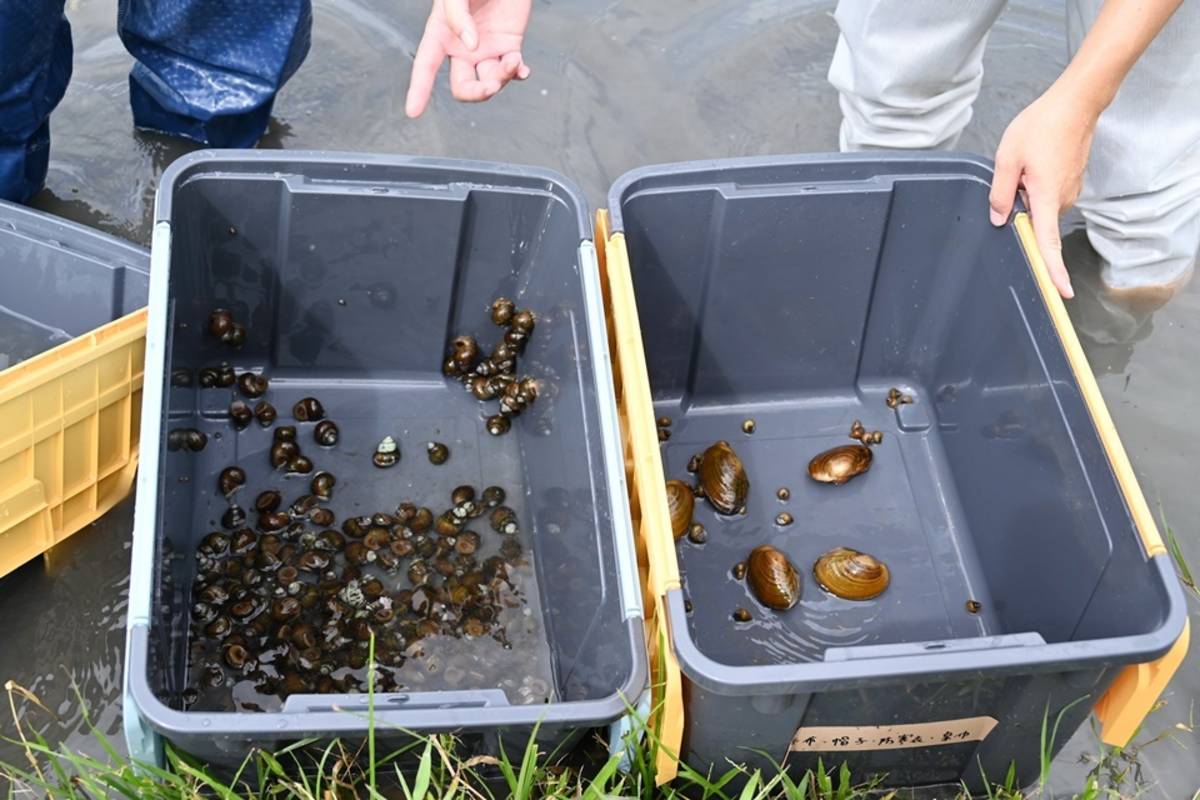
[113, 477]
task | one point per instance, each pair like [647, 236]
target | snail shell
[840, 464]
[851, 575]
[723, 478]
[681, 503]
[774, 580]
[502, 311]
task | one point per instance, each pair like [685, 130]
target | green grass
[437, 767]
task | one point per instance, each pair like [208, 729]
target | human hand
[482, 39]
[1044, 151]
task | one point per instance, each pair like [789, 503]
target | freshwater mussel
[851, 575]
[773, 579]
[839, 464]
[680, 505]
[722, 479]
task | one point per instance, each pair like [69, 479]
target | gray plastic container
[59, 280]
[796, 292]
[353, 271]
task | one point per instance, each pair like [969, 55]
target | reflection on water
[615, 85]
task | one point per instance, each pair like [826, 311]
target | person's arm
[482, 39]
[1045, 148]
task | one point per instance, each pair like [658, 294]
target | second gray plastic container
[352, 273]
[796, 292]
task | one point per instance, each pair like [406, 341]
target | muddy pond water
[615, 85]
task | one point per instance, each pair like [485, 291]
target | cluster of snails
[495, 376]
[387, 453]
[223, 327]
[292, 601]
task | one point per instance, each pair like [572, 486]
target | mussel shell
[723, 478]
[773, 579]
[839, 464]
[851, 575]
[680, 503]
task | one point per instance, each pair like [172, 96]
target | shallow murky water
[615, 85]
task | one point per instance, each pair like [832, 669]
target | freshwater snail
[308, 409]
[326, 433]
[251, 385]
[387, 453]
[502, 311]
[437, 452]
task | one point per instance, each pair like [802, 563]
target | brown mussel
[723, 479]
[502, 311]
[773, 579]
[308, 409]
[839, 464]
[231, 479]
[326, 433]
[680, 505]
[387, 453]
[265, 413]
[851, 575]
[251, 385]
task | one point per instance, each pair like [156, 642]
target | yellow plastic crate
[69, 422]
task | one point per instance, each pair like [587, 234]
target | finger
[515, 66]
[426, 64]
[493, 72]
[1004, 187]
[1044, 209]
[465, 86]
[458, 17]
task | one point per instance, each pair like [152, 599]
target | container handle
[1135, 692]
[401, 701]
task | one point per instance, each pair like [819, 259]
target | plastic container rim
[815, 676]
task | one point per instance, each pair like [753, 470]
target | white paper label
[825, 738]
